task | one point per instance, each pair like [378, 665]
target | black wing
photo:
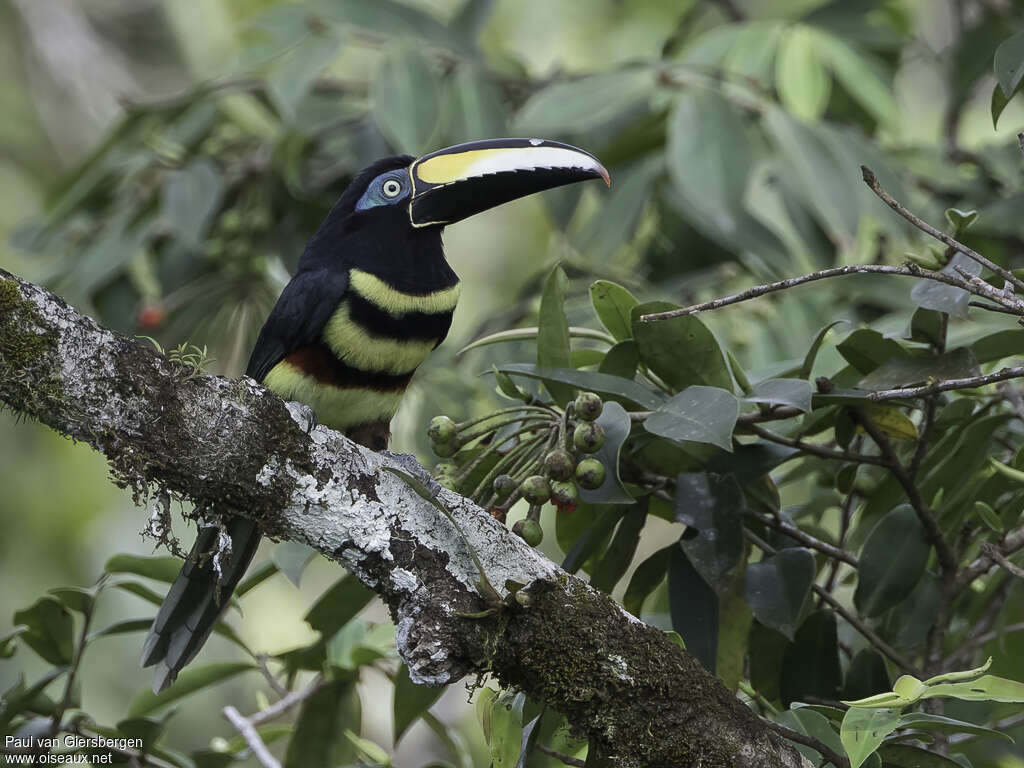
[298, 318]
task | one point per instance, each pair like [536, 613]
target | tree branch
[872, 181]
[232, 447]
[980, 288]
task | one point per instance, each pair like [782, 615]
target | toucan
[372, 296]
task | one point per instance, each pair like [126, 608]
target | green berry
[559, 464]
[588, 406]
[565, 495]
[441, 430]
[446, 450]
[588, 437]
[590, 474]
[503, 486]
[535, 489]
[529, 531]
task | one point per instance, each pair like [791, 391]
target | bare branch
[252, 738]
[1011, 304]
[816, 450]
[872, 181]
[947, 385]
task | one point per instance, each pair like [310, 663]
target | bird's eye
[391, 188]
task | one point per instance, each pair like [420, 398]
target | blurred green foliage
[734, 132]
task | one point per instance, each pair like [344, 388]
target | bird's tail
[196, 600]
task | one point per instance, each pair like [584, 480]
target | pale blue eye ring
[391, 188]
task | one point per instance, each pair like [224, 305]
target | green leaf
[812, 353]
[818, 173]
[190, 680]
[602, 383]
[622, 360]
[999, 102]
[75, 598]
[147, 729]
[407, 100]
[985, 688]
[646, 578]
[157, 568]
[866, 349]
[49, 630]
[800, 77]
[1008, 64]
[584, 104]
[697, 414]
[960, 220]
[860, 77]
[693, 606]
[291, 558]
[319, 737]
[811, 723]
[794, 392]
[710, 156]
[553, 333]
[810, 664]
[863, 730]
[356, 644]
[681, 350]
[616, 424]
[925, 721]
[926, 327]
[473, 105]
[411, 701]
[907, 371]
[777, 588]
[613, 305]
[527, 334]
[711, 507]
[908, 756]
[256, 576]
[506, 727]
[592, 539]
[930, 294]
[338, 605]
[122, 627]
[892, 561]
[866, 676]
[620, 552]
[9, 642]
[291, 77]
[998, 345]
[191, 196]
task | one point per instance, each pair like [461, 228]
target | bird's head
[454, 183]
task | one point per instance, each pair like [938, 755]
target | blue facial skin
[387, 189]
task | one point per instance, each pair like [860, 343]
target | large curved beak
[454, 183]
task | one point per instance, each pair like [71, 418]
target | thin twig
[926, 515]
[566, 759]
[872, 181]
[252, 738]
[989, 292]
[1012, 542]
[816, 450]
[278, 708]
[807, 540]
[839, 761]
[947, 385]
[272, 681]
[992, 551]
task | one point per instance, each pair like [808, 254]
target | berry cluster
[537, 453]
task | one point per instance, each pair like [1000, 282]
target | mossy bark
[233, 447]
